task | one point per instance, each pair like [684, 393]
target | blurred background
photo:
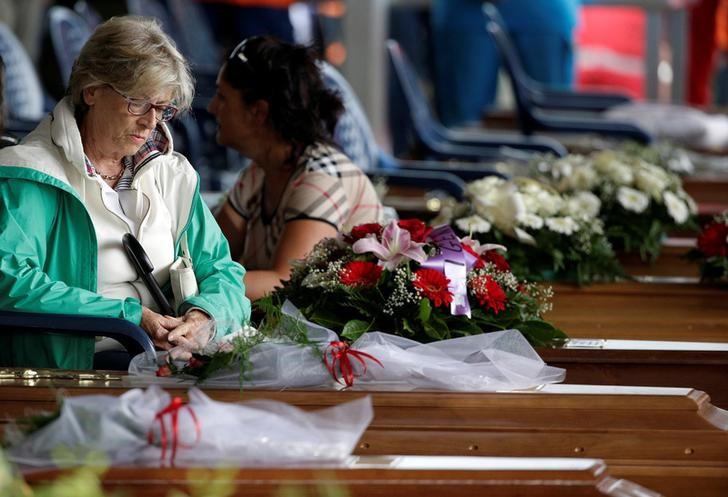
[668, 52]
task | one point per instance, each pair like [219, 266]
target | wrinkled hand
[191, 335]
[158, 327]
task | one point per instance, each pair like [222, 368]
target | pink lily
[396, 245]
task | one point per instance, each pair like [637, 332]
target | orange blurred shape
[332, 8]
[336, 53]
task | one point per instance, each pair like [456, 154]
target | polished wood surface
[671, 262]
[709, 192]
[628, 428]
[642, 311]
[705, 370]
[374, 479]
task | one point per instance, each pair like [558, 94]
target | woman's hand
[158, 327]
[191, 335]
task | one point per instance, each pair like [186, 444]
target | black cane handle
[140, 260]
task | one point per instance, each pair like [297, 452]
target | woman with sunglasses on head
[102, 165]
[272, 106]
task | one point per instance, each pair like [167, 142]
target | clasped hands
[179, 335]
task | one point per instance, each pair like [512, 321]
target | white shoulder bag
[182, 276]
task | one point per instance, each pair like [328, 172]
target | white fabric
[502, 360]
[678, 123]
[262, 432]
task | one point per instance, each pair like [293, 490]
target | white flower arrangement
[640, 201]
[550, 235]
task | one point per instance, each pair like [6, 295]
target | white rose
[548, 203]
[632, 200]
[502, 207]
[583, 178]
[484, 186]
[677, 209]
[651, 179]
[531, 221]
[583, 205]
[620, 173]
[473, 224]
[564, 225]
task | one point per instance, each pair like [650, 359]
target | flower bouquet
[712, 250]
[641, 202]
[550, 236]
[391, 307]
[412, 281]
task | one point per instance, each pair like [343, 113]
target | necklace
[111, 177]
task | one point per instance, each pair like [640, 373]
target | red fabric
[611, 49]
[701, 51]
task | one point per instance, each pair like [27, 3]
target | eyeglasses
[140, 106]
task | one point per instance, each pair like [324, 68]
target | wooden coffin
[670, 264]
[660, 438]
[642, 311]
[403, 476]
[710, 192]
[699, 365]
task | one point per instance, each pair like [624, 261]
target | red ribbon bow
[337, 354]
[173, 410]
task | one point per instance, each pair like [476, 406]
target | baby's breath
[404, 292]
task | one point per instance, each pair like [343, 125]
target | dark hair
[301, 109]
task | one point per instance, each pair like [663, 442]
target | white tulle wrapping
[261, 432]
[502, 360]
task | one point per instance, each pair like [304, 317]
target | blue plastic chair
[534, 118]
[134, 339]
[23, 92]
[440, 142]
[551, 98]
[68, 32]
[356, 139]
[89, 14]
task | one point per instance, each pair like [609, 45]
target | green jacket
[48, 248]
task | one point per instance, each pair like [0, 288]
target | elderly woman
[99, 166]
[272, 106]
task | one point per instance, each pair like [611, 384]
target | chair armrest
[588, 101]
[429, 178]
[134, 339]
[475, 138]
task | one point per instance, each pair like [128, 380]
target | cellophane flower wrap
[640, 201]
[150, 428]
[410, 280]
[711, 250]
[549, 235]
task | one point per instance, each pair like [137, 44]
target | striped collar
[156, 144]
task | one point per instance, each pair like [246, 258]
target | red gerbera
[433, 285]
[363, 230]
[418, 230]
[360, 273]
[489, 293]
[713, 241]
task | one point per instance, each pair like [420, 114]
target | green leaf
[425, 310]
[541, 333]
[354, 329]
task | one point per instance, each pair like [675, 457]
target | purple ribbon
[454, 262]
